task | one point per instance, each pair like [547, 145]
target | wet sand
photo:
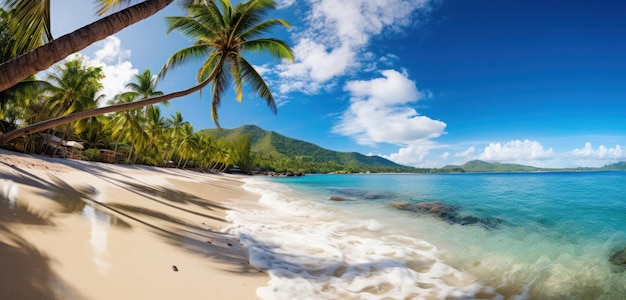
[82, 230]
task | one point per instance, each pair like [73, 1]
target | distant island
[274, 152]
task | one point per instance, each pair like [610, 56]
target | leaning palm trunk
[17, 69]
[37, 127]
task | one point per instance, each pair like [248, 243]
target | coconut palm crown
[221, 33]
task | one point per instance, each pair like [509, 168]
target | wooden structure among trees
[63, 148]
[110, 156]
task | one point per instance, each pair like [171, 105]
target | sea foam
[317, 251]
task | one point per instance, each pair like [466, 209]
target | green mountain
[277, 152]
[271, 146]
[477, 166]
[620, 166]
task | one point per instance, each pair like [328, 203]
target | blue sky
[423, 83]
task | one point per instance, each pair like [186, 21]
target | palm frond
[208, 14]
[258, 85]
[263, 27]
[248, 14]
[276, 47]
[227, 11]
[220, 83]
[183, 56]
[29, 23]
[189, 27]
[209, 66]
[105, 6]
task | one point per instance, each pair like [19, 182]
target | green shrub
[91, 154]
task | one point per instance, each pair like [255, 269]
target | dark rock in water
[363, 194]
[375, 195]
[488, 222]
[439, 209]
[618, 257]
[337, 198]
[447, 212]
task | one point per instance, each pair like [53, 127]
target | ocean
[438, 236]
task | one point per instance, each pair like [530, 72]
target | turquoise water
[507, 236]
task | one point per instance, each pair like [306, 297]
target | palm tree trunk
[37, 127]
[17, 69]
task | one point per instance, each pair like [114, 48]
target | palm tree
[16, 100]
[74, 88]
[222, 35]
[187, 145]
[36, 13]
[175, 123]
[154, 128]
[145, 87]
[127, 124]
[205, 147]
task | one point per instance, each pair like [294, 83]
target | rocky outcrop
[618, 257]
[448, 213]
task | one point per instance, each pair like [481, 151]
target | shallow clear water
[506, 236]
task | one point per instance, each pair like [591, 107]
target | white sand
[81, 230]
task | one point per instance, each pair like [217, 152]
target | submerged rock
[362, 194]
[447, 212]
[337, 198]
[618, 257]
[438, 209]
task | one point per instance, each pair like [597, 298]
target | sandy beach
[82, 230]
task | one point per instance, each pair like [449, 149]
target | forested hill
[482, 166]
[280, 151]
[276, 152]
[478, 166]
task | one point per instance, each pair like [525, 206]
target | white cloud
[379, 112]
[284, 3]
[601, 153]
[465, 153]
[516, 151]
[111, 51]
[336, 35]
[413, 154]
[262, 69]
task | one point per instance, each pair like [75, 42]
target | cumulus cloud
[465, 153]
[379, 112]
[284, 3]
[516, 151]
[413, 154]
[335, 38]
[601, 153]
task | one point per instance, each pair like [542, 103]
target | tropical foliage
[222, 36]
[139, 135]
[274, 152]
[30, 26]
[67, 102]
